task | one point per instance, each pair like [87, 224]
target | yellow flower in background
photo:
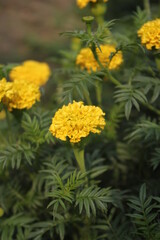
[150, 34]
[2, 115]
[83, 3]
[21, 95]
[31, 72]
[4, 86]
[77, 121]
[87, 61]
[1, 212]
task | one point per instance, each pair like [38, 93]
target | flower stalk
[88, 20]
[99, 10]
[87, 97]
[8, 118]
[79, 155]
[147, 8]
[99, 92]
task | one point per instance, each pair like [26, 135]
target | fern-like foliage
[155, 160]
[96, 38]
[146, 131]
[91, 199]
[16, 227]
[150, 85]
[14, 154]
[36, 128]
[68, 188]
[144, 216]
[114, 118]
[140, 17]
[34, 132]
[130, 96]
[79, 84]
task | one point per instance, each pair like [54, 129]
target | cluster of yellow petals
[4, 87]
[32, 72]
[76, 121]
[19, 94]
[87, 61]
[83, 3]
[150, 34]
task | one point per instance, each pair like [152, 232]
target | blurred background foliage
[30, 29]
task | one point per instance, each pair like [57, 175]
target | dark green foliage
[130, 96]
[15, 153]
[145, 215]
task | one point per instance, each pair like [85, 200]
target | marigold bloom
[86, 58]
[21, 95]
[4, 87]
[150, 34]
[76, 121]
[83, 3]
[31, 72]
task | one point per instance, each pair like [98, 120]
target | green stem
[147, 8]
[87, 97]
[151, 108]
[79, 155]
[89, 30]
[113, 80]
[157, 60]
[99, 92]
[8, 118]
[88, 20]
[99, 11]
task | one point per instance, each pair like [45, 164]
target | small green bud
[88, 19]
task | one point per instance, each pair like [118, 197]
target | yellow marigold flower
[87, 61]
[21, 95]
[76, 121]
[150, 34]
[83, 3]
[31, 72]
[4, 86]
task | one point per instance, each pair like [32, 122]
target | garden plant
[80, 159]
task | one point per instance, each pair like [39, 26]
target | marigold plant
[32, 72]
[77, 121]
[86, 59]
[60, 178]
[150, 34]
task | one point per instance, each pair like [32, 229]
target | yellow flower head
[83, 3]
[31, 72]
[150, 34]
[4, 87]
[21, 95]
[87, 61]
[76, 121]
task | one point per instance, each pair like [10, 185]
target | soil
[30, 28]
